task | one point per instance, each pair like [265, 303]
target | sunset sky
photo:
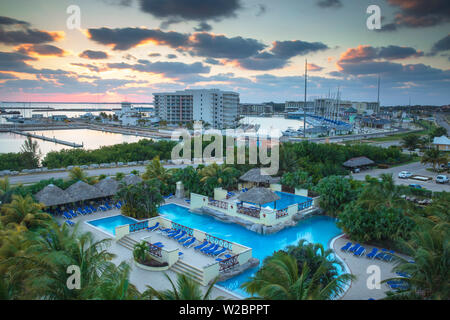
[128, 49]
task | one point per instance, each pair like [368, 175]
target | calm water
[91, 139]
[110, 224]
[319, 229]
[274, 125]
[286, 200]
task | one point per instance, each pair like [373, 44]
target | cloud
[442, 45]
[314, 67]
[171, 56]
[368, 53]
[90, 67]
[14, 32]
[6, 21]
[127, 38]
[203, 26]
[329, 3]
[169, 69]
[42, 50]
[420, 13]
[198, 10]
[262, 9]
[212, 61]
[154, 55]
[289, 49]
[219, 46]
[93, 55]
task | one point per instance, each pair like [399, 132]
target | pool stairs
[179, 267]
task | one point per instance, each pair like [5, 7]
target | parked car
[441, 179]
[415, 186]
[405, 175]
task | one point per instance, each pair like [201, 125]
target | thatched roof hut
[52, 195]
[132, 179]
[259, 196]
[258, 175]
[108, 186]
[81, 191]
[358, 162]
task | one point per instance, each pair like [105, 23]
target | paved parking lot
[415, 168]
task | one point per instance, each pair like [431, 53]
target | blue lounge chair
[372, 253]
[174, 234]
[180, 255]
[169, 196]
[158, 244]
[184, 239]
[163, 230]
[200, 246]
[403, 274]
[380, 256]
[81, 211]
[354, 248]
[179, 236]
[227, 256]
[388, 256]
[218, 252]
[118, 206]
[360, 251]
[69, 223]
[187, 200]
[346, 247]
[86, 209]
[189, 243]
[214, 248]
[108, 206]
[67, 215]
[208, 247]
[154, 227]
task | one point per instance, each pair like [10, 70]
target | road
[415, 168]
[33, 178]
[440, 119]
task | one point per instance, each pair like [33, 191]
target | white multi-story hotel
[213, 106]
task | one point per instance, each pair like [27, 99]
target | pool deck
[191, 256]
[358, 266]
[139, 277]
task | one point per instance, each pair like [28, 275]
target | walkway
[358, 267]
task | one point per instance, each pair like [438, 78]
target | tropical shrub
[335, 192]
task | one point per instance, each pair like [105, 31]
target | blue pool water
[319, 229]
[286, 200]
[109, 224]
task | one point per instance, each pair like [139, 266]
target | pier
[42, 137]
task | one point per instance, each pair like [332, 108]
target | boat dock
[42, 137]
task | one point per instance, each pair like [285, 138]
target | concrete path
[359, 289]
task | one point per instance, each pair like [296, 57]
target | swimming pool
[109, 224]
[318, 229]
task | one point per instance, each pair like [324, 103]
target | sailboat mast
[304, 106]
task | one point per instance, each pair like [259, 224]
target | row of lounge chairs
[89, 209]
[358, 250]
[170, 196]
[187, 241]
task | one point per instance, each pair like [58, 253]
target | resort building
[213, 106]
[442, 143]
[131, 116]
[251, 109]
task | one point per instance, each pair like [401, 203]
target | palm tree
[77, 174]
[315, 256]
[52, 251]
[434, 157]
[114, 284]
[185, 289]
[279, 279]
[140, 251]
[429, 273]
[5, 186]
[31, 153]
[24, 211]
